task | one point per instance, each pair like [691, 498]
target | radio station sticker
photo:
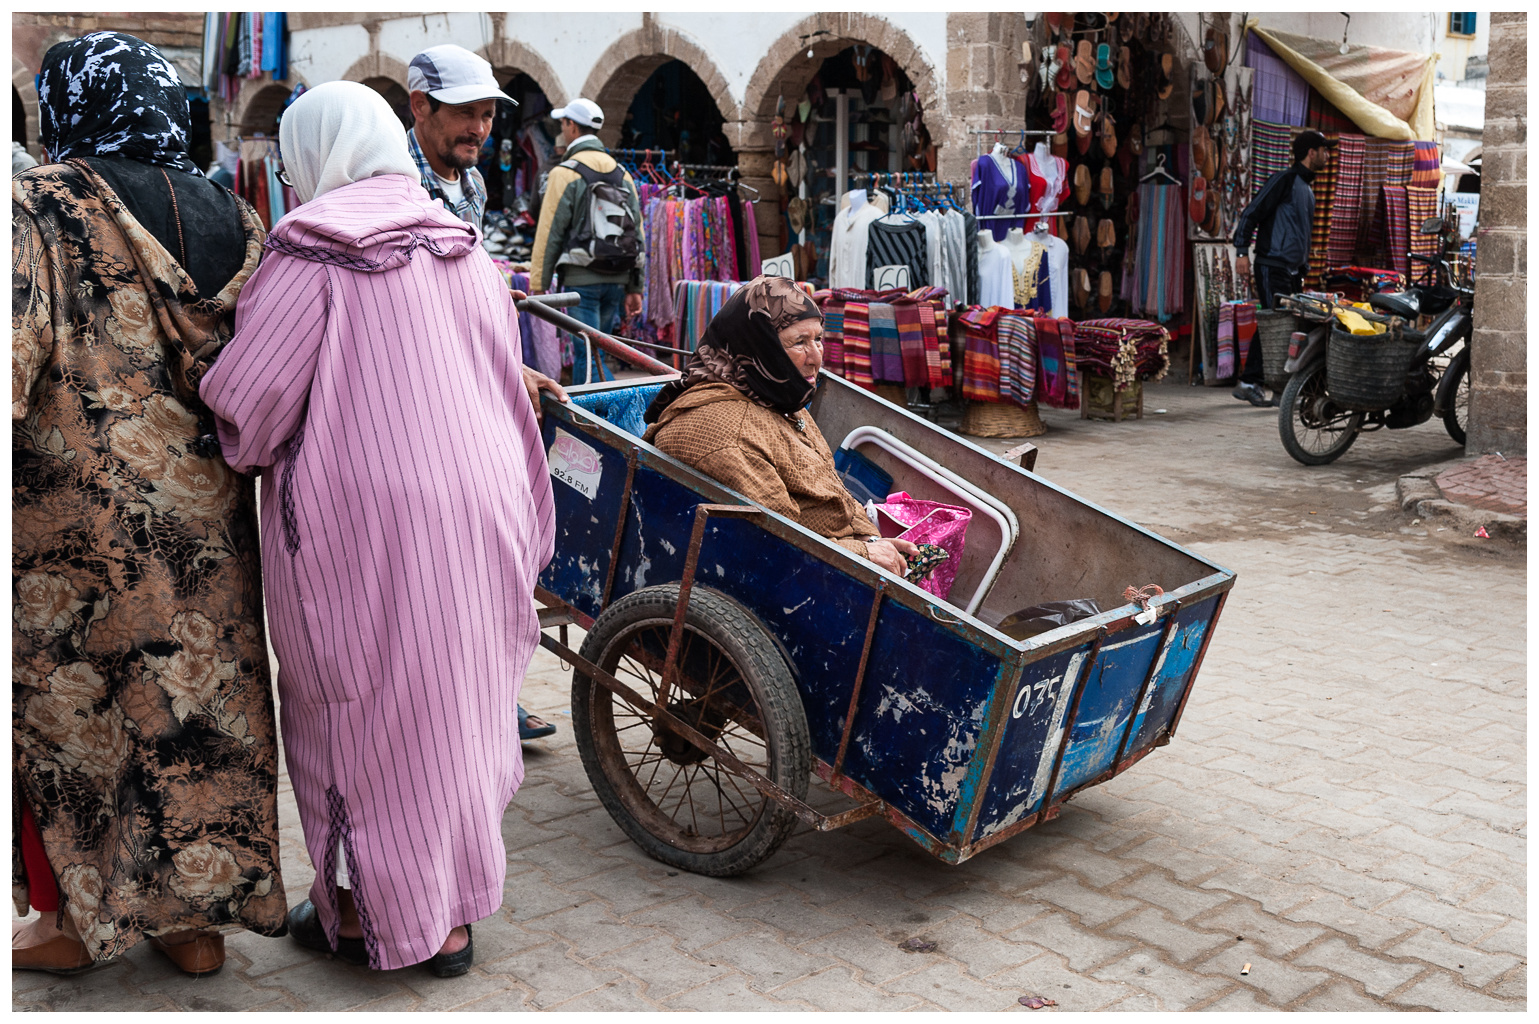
[575, 464]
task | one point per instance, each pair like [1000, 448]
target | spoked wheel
[1456, 416]
[675, 800]
[1314, 429]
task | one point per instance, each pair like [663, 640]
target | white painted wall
[572, 43]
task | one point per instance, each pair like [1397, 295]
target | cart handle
[614, 346]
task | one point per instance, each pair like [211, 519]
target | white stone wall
[571, 44]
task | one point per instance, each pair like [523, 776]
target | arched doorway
[395, 94]
[260, 115]
[673, 110]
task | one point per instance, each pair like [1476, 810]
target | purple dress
[406, 512]
[994, 192]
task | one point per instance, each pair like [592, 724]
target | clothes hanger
[1160, 169]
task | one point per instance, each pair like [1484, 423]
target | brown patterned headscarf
[741, 347]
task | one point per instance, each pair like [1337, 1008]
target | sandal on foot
[306, 928]
[532, 732]
[59, 955]
[452, 965]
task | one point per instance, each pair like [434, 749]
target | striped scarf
[857, 344]
[980, 357]
[910, 326]
[1017, 337]
[1426, 165]
[1397, 227]
[1056, 356]
[833, 335]
[1346, 205]
[1421, 203]
[1226, 340]
[886, 353]
[1320, 234]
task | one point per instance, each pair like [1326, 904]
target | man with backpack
[590, 232]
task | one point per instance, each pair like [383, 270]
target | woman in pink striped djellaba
[374, 379]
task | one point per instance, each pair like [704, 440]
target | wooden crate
[1098, 400]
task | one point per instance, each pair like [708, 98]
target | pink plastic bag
[928, 522]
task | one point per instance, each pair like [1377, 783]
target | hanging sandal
[1197, 209]
[1082, 184]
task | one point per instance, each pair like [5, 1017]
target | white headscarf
[339, 133]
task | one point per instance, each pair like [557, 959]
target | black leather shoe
[452, 965]
[305, 926]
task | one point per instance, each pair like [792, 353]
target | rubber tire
[1286, 418]
[737, 633]
[1459, 368]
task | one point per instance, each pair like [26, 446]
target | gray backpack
[605, 237]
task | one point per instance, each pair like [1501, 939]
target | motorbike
[1317, 429]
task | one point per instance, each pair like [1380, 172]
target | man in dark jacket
[1280, 218]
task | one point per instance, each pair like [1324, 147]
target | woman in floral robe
[145, 756]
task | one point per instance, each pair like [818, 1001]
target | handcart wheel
[676, 801]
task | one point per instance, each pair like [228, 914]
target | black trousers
[1270, 282]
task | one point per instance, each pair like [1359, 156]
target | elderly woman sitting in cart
[738, 414]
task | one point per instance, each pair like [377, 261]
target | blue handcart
[730, 653]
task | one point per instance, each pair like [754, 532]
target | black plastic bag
[1039, 618]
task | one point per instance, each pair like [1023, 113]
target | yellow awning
[1386, 93]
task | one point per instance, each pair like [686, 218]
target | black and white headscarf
[111, 94]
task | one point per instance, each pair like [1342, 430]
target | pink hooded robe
[374, 376]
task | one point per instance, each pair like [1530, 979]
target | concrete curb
[1420, 498]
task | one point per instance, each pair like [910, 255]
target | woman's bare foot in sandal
[458, 939]
[350, 927]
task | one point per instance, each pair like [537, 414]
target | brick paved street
[1343, 808]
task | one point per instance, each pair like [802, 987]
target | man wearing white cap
[596, 246]
[453, 103]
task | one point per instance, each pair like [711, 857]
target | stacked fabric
[1058, 363]
[980, 356]
[1347, 203]
[885, 337]
[1124, 350]
[1271, 151]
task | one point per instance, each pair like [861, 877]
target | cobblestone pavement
[1343, 808]
[1490, 482]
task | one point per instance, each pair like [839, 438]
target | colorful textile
[1347, 203]
[857, 345]
[980, 358]
[886, 354]
[1426, 165]
[911, 347]
[1225, 341]
[1058, 363]
[1244, 329]
[833, 336]
[1421, 203]
[1399, 163]
[1324, 187]
[374, 375]
[1370, 217]
[937, 373]
[1397, 238]
[1278, 93]
[1017, 342]
[695, 303]
[1271, 151]
[1154, 279]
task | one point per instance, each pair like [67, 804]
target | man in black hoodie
[1280, 218]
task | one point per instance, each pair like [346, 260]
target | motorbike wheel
[1314, 430]
[1456, 416]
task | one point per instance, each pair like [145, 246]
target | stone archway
[376, 65]
[632, 58]
[258, 107]
[785, 69]
[509, 57]
[25, 83]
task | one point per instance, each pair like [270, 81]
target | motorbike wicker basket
[1274, 332]
[1367, 371]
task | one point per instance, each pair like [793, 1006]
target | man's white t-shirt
[454, 190]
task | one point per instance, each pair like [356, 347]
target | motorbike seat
[1403, 305]
[1435, 299]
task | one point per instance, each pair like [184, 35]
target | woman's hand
[535, 382]
[892, 554]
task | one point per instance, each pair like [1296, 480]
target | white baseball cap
[453, 75]
[584, 112]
